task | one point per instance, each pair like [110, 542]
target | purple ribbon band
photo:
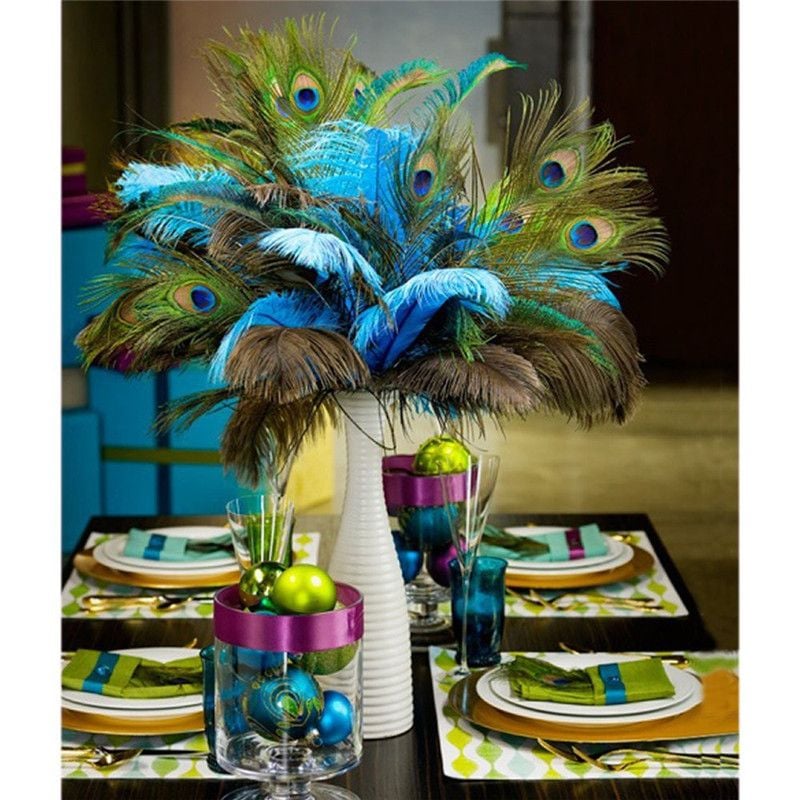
[289, 633]
[402, 488]
[574, 543]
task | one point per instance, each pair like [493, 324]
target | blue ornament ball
[410, 560]
[247, 661]
[337, 719]
[429, 526]
[289, 705]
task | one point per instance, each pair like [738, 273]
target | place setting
[134, 712]
[170, 571]
[550, 571]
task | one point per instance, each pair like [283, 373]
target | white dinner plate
[688, 694]
[616, 549]
[624, 555]
[124, 707]
[110, 553]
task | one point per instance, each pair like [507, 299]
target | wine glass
[262, 526]
[468, 496]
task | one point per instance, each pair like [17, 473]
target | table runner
[653, 584]
[471, 753]
[305, 548]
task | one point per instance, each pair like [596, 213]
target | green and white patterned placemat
[653, 585]
[174, 760]
[306, 551]
[471, 753]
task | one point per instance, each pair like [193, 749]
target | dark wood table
[409, 766]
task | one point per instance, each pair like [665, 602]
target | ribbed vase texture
[364, 556]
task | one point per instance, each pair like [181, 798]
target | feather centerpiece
[305, 245]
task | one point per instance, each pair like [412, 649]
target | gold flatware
[100, 602]
[625, 538]
[575, 599]
[99, 757]
[622, 758]
[675, 659]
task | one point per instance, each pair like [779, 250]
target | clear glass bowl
[287, 696]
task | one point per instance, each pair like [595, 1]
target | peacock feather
[303, 244]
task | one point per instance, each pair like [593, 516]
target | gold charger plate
[716, 715]
[86, 722]
[641, 562]
[86, 564]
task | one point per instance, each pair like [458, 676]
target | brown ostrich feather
[281, 365]
[260, 432]
[496, 382]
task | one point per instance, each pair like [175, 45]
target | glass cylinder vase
[287, 696]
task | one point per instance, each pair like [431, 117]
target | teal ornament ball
[441, 455]
[429, 527]
[254, 663]
[304, 589]
[288, 705]
[257, 584]
[410, 559]
[337, 719]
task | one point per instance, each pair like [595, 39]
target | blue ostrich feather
[293, 309]
[352, 161]
[327, 256]
[383, 334]
[139, 180]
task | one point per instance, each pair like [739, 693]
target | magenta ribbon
[402, 488]
[289, 633]
[574, 543]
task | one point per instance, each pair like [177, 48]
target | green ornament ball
[327, 662]
[441, 455]
[304, 589]
[257, 584]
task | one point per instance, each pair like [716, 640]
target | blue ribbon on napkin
[159, 547]
[571, 544]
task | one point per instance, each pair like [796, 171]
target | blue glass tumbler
[207, 659]
[485, 609]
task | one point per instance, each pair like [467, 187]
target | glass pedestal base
[269, 791]
[423, 597]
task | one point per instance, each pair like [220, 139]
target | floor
[677, 461]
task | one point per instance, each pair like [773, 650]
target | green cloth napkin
[555, 542]
[535, 679]
[129, 676]
[159, 547]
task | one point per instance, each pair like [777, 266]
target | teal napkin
[604, 684]
[159, 547]
[557, 545]
[129, 676]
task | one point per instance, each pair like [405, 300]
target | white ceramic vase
[364, 556]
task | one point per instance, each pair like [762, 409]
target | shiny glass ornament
[257, 583]
[304, 589]
[336, 721]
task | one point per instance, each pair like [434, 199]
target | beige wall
[390, 32]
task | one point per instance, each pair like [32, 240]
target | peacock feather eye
[358, 89]
[424, 176]
[558, 169]
[589, 234]
[126, 312]
[306, 93]
[196, 297]
[281, 106]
